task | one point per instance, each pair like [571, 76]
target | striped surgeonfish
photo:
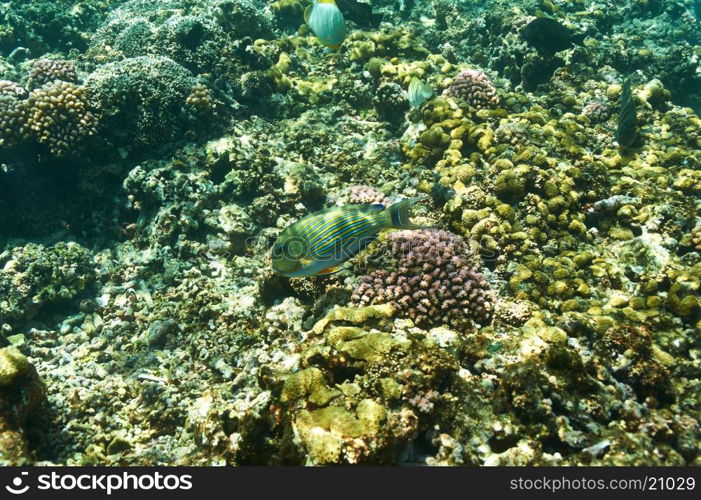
[321, 242]
[626, 132]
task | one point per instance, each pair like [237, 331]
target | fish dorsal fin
[308, 12]
[362, 207]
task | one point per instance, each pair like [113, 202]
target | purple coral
[474, 87]
[435, 280]
[367, 194]
[597, 111]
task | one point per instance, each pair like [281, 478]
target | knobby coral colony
[547, 314]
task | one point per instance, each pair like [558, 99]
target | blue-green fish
[325, 19]
[321, 242]
[418, 92]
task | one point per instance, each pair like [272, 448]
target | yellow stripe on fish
[326, 20]
[319, 243]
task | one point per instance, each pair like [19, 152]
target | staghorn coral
[48, 70]
[435, 280]
[475, 88]
[59, 117]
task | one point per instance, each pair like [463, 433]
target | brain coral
[433, 280]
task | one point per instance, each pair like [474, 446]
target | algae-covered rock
[35, 276]
[21, 392]
[354, 315]
[12, 364]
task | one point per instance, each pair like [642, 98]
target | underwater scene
[373, 232]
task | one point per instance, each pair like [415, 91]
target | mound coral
[13, 115]
[475, 88]
[434, 281]
[140, 101]
[48, 70]
[59, 117]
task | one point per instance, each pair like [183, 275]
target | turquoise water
[538, 305]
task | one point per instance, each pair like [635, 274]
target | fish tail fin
[399, 214]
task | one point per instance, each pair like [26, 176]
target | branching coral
[49, 70]
[59, 117]
[367, 194]
[475, 88]
[434, 281]
[13, 115]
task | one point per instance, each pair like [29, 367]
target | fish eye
[294, 248]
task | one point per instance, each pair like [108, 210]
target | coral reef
[59, 117]
[21, 394]
[151, 152]
[435, 281]
[140, 100]
[48, 70]
[475, 88]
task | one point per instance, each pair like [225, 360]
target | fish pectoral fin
[330, 270]
[308, 12]
[306, 262]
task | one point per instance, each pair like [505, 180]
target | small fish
[321, 242]
[418, 92]
[626, 132]
[360, 13]
[547, 35]
[325, 19]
